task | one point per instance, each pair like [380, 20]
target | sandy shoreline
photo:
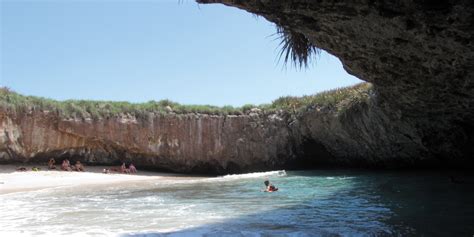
[15, 181]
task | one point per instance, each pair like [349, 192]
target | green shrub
[13, 101]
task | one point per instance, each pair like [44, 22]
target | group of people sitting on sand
[122, 169]
[66, 165]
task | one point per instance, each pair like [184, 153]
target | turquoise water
[309, 203]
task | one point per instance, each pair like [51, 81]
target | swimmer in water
[269, 187]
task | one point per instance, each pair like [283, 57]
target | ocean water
[308, 203]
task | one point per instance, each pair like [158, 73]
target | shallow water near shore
[309, 203]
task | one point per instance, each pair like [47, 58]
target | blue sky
[150, 50]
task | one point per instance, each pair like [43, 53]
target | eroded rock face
[418, 54]
[352, 133]
[182, 143]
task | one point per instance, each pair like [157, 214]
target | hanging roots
[295, 48]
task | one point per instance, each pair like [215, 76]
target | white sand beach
[20, 181]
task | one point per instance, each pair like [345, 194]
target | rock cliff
[351, 131]
[418, 55]
[178, 142]
[258, 139]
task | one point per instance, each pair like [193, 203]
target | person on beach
[79, 166]
[123, 169]
[66, 166]
[269, 187]
[52, 164]
[132, 169]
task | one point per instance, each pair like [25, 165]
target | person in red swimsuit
[269, 187]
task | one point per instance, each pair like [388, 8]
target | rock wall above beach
[182, 143]
[352, 133]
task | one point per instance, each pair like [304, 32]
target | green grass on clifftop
[16, 103]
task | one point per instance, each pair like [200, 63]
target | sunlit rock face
[182, 143]
[418, 54]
